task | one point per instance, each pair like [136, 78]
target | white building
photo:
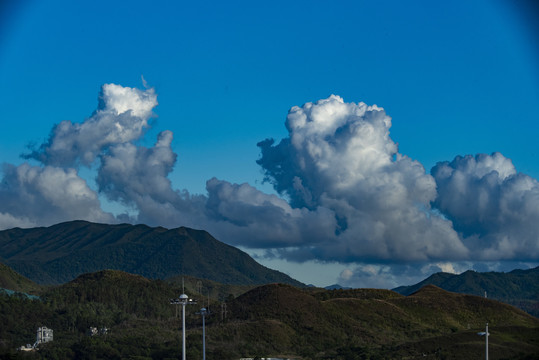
[93, 331]
[44, 334]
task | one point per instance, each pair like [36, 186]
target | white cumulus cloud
[121, 117]
[340, 156]
[346, 193]
[495, 208]
[137, 176]
[35, 195]
[246, 216]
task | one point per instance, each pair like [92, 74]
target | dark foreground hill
[57, 254]
[518, 287]
[270, 320]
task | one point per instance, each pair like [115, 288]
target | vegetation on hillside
[269, 320]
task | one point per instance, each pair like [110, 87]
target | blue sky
[456, 78]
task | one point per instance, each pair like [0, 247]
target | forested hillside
[60, 253]
[270, 320]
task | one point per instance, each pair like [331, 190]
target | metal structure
[183, 300]
[485, 334]
[204, 312]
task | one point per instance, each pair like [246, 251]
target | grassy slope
[378, 322]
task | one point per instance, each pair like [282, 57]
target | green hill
[269, 320]
[58, 254]
[11, 280]
[518, 287]
[372, 323]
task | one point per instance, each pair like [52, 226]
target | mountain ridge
[59, 253]
[517, 287]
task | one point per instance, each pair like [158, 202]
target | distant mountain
[60, 253]
[336, 287]
[518, 287]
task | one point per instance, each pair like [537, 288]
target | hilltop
[59, 253]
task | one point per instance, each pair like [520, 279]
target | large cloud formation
[495, 208]
[346, 193]
[53, 191]
[339, 156]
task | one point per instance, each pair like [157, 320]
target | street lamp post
[204, 312]
[183, 300]
[486, 334]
